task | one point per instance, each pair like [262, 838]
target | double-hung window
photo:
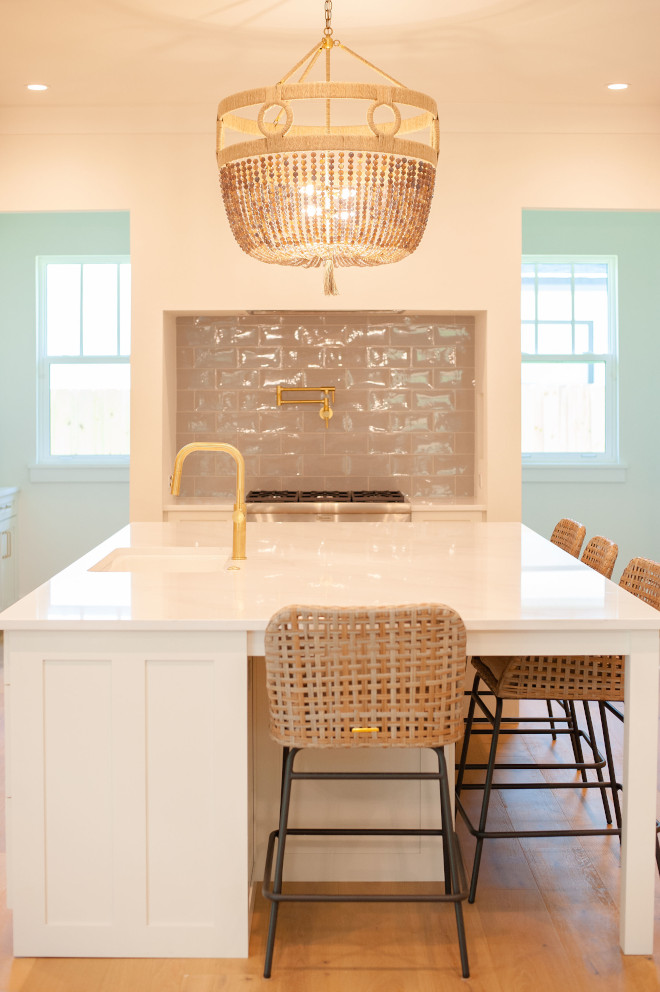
[569, 361]
[84, 346]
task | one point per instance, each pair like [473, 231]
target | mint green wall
[626, 512]
[58, 521]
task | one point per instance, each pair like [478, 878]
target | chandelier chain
[328, 18]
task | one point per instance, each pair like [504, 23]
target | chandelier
[317, 188]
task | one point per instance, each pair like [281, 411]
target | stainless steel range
[368, 505]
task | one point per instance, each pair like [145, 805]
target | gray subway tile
[225, 358]
[301, 358]
[195, 379]
[243, 379]
[185, 400]
[417, 422]
[434, 401]
[361, 377]
[391, 444]
[433, 444]
[260, 358]
[273, 465]
[443, 356]
[417, 380]
[195, 423]
[398, 358]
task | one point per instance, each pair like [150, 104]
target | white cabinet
[8, 548]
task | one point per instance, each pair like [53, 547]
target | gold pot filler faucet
[239, 514]
[328, 394]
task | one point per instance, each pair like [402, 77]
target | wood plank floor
[545, 920]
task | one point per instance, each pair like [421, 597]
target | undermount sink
[164, 559]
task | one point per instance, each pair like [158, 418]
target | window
[569, 361]
[84, 360]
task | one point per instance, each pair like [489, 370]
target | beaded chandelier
[316, 191]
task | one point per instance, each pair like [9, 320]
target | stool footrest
[267, 892]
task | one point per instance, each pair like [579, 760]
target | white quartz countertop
[499, 576]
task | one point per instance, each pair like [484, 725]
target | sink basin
[159, 559]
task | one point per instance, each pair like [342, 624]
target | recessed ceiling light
[617, 86]
[37, 86]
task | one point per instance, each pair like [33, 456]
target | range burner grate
[272, 496]
[325, 496]
[378, 496]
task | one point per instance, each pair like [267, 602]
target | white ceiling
[115, 53]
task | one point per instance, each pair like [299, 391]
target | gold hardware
[240, 513]
[325, 412]
[365, 730]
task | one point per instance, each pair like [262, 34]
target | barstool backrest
[334, 674]
[601, 554]
[641, 577]
[569, 535]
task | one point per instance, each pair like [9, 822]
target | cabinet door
[8, 577]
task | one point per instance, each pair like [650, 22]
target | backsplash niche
[403, 410]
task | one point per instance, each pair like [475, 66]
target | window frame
[610, 456]
[45, 460]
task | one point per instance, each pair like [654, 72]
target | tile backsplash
[403, 412]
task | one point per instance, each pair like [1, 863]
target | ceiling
[117, 53]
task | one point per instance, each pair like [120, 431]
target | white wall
[185, 259]
[622, 505]
[58, 520]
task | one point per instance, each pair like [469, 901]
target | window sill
[78, 473]
[574, 473]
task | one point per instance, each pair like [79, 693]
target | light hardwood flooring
[545, 920]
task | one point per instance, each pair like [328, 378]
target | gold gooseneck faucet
[239, 514]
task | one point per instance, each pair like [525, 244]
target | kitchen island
[140, 779]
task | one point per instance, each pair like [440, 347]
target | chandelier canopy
[311, 186]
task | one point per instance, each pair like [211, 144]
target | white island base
[141, 782]
[140, 754]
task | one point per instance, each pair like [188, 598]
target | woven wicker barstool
[569, 536]
[586, 677]
[601, 555]
[385, 677]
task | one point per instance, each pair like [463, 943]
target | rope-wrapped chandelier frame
[324, 193]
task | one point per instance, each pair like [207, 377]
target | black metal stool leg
[550, 717]
[281, 844]
[575, 738]
[488, 784]
[450, 844]
[466, 736]
[285, 755]
[594, 749]
[610, 763]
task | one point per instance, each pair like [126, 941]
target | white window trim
[74, 472]
[574, 473]
[583, 465]
[68, 468]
